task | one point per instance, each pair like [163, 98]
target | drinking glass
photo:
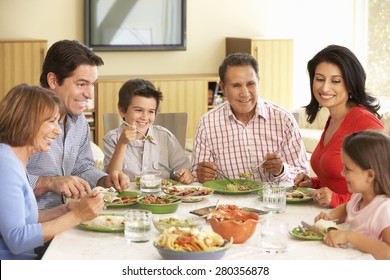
[274, 235]
[150, 181]
[138, 225]
[274, 197]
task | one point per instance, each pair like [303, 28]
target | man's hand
[69, 186]
[273, 164]
[116, 179]
[206, 171]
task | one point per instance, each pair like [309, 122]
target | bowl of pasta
[159, 204]
[232, 222]
[191, 244]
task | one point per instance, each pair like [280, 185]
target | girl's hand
[336, 238]
[323, 216]
[185, 177]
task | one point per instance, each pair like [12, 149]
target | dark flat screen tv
[135, 25]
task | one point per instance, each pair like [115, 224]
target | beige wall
[312, 24]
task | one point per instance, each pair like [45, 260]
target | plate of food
[166, 183]
[189, 244]
[298, 195]
[240, 186]
[189, 193]
[294, 195]
[321, 227]
[159, 204]
[105, 223]
[122, 199]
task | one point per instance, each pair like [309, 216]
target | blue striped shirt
[70, 154]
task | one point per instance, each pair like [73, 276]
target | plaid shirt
[235, 147]
[70, 154]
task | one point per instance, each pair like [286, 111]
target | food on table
[188, 240]
[196, 191]
[105, 221]
[166, 183]
[326, 226]
[237, 187]
[245, 175]
[120, 199]
[165, 223]
[297, 193]
[153, 199]
[233, 223]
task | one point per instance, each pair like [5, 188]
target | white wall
[313, 24]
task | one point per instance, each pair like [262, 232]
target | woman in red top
[337, 83]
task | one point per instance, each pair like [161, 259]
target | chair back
[175, 123]
[111, 121]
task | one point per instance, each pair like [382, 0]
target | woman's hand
[302, 180]
[90, 206]
[322, 196]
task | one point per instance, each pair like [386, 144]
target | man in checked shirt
[247, 131]
[70, 70]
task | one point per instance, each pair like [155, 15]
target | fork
[262, 162]
[126, 123]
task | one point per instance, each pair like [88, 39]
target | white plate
[206, 192]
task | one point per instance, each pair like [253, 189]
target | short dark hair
[375, 155]
[63, 57]
[353, 75]
[137, 87]
[23, 110]
[237, 59]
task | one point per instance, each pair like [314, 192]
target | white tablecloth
[79, 244]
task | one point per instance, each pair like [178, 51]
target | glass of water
[150, 181]
[274, 197]
[274, 235]
[138, 225]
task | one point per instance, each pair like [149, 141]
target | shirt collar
[260, 110]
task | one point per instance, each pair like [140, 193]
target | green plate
[103, 228]
[122, 205]
[219, 186]
[294, 200]
[297, 232]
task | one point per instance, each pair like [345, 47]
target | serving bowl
[162, 223]
[233, 223]
[169, 254]
[159, 204]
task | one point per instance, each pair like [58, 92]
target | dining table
[80, 244]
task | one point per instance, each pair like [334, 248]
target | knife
[170, 170]
[313, 229]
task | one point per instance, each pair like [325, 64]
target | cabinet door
[275, 57]
[20, 62]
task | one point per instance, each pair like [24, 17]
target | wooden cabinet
[20, 62]
[182, 93]
[275, 58]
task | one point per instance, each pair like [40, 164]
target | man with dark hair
[70, 70]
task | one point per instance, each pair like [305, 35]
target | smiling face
[141, 112]
[76, 89]
[329, 87]
[241, 90]
[48, 131]
[358, 180]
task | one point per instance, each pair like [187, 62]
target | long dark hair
[353, 75]
[375, 155]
